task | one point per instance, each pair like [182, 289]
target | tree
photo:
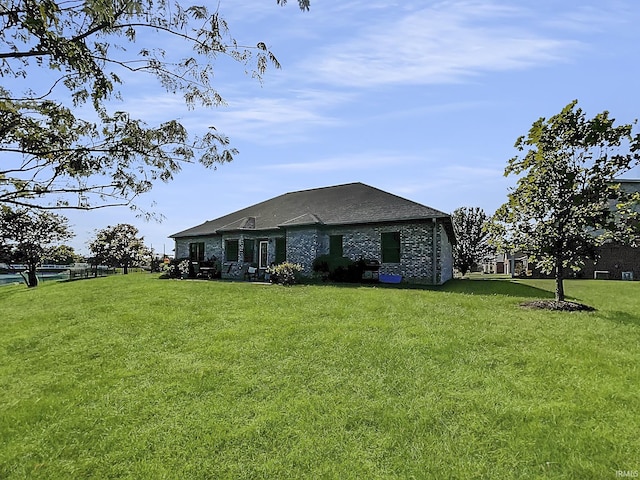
[29, 234]
[561, 208]
[53, 158]
[61, 255]
[119, 246]
[469, 225]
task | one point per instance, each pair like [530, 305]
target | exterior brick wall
[416, 249]
[302, 248]
[212, 247]
[615, 259]
[304, 244]
[364, 242]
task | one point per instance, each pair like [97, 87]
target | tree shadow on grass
[494, 287]
[624, 318]
[506, 287]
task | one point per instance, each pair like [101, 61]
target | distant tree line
[34, 237]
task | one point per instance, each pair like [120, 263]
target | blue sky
[423, 99]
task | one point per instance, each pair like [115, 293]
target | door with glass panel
[263, 255]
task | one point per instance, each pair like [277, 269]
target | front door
[264, 255]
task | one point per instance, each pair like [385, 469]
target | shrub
[331, 267]
[284, 273]
[179, 267]
[339, 269]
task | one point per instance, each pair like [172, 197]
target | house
[352, 220]
[614, 260]
[514, 264]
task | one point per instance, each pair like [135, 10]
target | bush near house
[339, 269]
[180, 267]
[285, 273]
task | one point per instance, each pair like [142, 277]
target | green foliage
[27, 236]
[180, 268]
[330, 264]
[470, 227]
[82, 51]
[338, 269]
[304, 4]
[562, 203]
[284, 273]
[128, 376]
[119, 246]
[61, 255]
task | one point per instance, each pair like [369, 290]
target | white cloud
[279, 119]
[445, 43]
[591, 19]
[349, 162]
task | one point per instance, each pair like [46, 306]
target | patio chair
[251, 273]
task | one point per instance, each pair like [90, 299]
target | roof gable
[351, 203]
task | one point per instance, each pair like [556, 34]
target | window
[390, 247]
[249, 250]
[231, 250]
[281, 249]
[335, 245]
[196, 252]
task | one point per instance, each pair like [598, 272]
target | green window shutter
[231, 251]
[249, 250]
[281, 250]
[335, 245]
[390, 247]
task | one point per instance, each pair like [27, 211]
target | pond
[11, 278]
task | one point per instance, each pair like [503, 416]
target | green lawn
[141, 378]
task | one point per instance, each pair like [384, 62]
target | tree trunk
[32, 278]
[125, 268]
[559, 280]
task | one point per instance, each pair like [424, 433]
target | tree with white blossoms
[470, 227]
[119, 246]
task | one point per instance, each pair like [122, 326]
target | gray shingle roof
[352, 203]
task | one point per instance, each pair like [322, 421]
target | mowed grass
[141, 378]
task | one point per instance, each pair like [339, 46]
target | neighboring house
[504, 263]
[616, 261]
[352, 220]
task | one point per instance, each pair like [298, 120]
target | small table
[208, 272]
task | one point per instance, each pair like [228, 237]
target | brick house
[352, 220]
[616, 261]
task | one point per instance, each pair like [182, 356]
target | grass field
[141, 378]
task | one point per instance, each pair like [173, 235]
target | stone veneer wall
[303, 246]
[364, 241]
[212, 247]
[361, 241]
